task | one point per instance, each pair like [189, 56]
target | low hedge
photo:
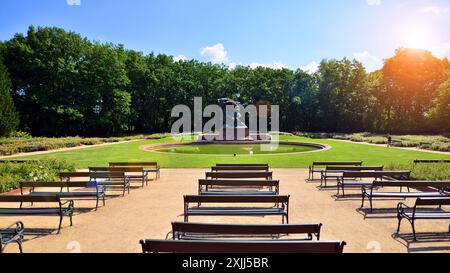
[40, 171]
[14, 145]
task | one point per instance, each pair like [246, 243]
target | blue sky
[283, 33]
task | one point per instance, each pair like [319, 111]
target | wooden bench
[242, 165]
[352, 179]
[336, 171]
[431, 161]
[196, 231]
[413, 214]
[281, 201]
[238, 187]
[313, 167]
[133, 174]
[239, 175]
[97, 192]
[12, 234]
[233, 247]
[149, 167]
[107, 179]
[371, 193]
[61, 210]
[239, 168]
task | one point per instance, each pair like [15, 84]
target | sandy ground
[148, 212]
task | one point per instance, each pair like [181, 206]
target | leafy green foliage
[39, 171]
[9, 119]
[65, 85]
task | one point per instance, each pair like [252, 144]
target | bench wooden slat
[182, 246]
[236, 199]
[418, 161]
[239, 175]
[236, 229]
[135, 164]
[242, 165]
[239, 183]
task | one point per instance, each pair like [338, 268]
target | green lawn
[371, 155]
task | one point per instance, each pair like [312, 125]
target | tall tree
[410, 80]
[9, 119]
[343, 96]
[440, 112]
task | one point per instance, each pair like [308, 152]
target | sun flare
[417, 38]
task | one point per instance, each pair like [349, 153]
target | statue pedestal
[236, 134]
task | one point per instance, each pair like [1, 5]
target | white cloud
[310, 68]
[439, 11]
[373, 2]
[215, 54]
[274, 65]
[73, 2]
[370, 61]
[180, 58]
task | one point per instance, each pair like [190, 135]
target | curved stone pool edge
[151, 147]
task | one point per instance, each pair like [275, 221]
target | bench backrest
[412, 184]
[117, 169]
[238, 175]
[239, 183]
[354, 168]
[133, 164]
[401, 175]
[29, 199]
[55, 184]
[67, 176]
[242, 165]
[108, 175]
[236, 199]
[441, 201]
[189, 246]
[227, 229]
[431, 161]
[239, 168]
[337, 163]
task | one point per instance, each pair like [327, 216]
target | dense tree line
[63, 84]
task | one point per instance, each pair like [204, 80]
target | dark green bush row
[41, 171]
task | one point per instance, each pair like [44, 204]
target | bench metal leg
[414, 230]
[104, 202]
[363, 199]
[60, 223]
[371, 205]
[19, 244]
[400, 218]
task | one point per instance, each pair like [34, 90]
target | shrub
[42, 171]
[434, 172]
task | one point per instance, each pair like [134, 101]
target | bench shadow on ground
[423, 239]
[386, 213]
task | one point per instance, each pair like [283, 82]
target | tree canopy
[63, 84]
